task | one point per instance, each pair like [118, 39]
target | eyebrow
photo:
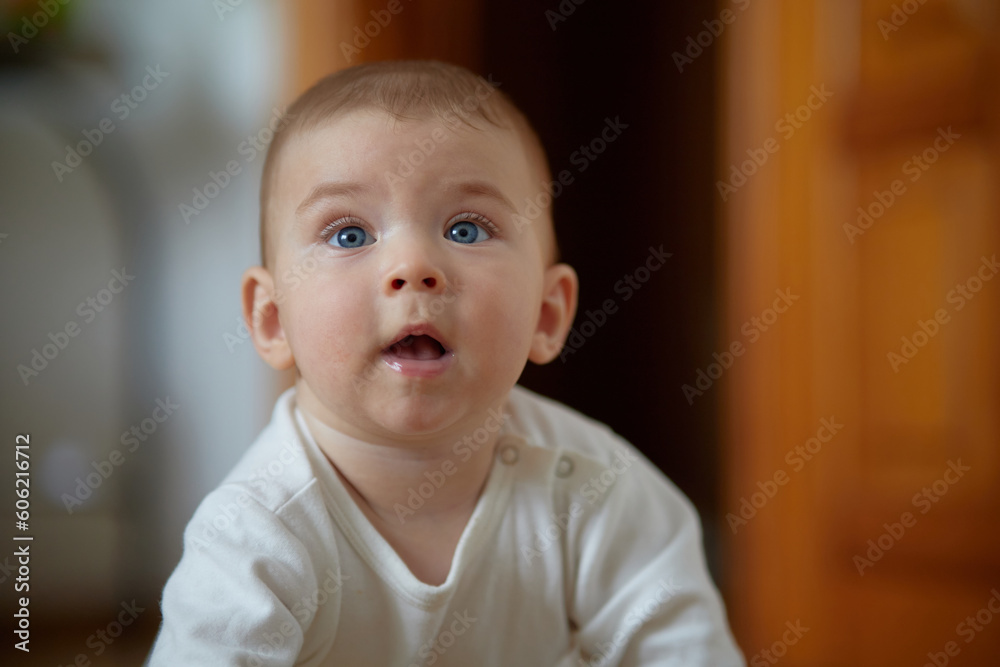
[334, 189]
[331, 190]
[481, 189]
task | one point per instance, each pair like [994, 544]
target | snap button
[509, 454]
[564, 468]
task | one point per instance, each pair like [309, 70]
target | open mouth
[419, 351]
[418, 348]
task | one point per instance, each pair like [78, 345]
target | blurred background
[815, 366]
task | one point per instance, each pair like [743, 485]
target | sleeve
[230, 601]
[642, 594]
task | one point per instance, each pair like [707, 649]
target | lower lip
[419, 368]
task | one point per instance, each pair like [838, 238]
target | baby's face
[410, 296]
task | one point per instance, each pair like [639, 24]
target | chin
[417, 415]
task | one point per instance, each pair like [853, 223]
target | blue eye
[467, 232]
[350, 237]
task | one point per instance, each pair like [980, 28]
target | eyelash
[481, 219]
[347, 221]
[350, 221]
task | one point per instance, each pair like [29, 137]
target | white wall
[163, 335]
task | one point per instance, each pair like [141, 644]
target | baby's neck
[392, 478]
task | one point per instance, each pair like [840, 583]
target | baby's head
[409, 259]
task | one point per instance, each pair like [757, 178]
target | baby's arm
[642, 593]
[230, 600]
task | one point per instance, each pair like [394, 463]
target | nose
[414, 270]
[429, 281]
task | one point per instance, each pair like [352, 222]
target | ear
[560, 289]
[260, 312]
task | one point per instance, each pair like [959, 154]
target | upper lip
[420, 329]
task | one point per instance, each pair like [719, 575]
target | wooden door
[330, 36]
[862, 425]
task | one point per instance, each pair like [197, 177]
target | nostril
[430, 282]
[398, 283]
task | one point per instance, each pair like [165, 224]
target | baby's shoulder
[271, 494]
[276, 468]
[551, 425]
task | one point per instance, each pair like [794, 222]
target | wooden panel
[317, 30]
[446, 30]
[862, 290]
[329, 36]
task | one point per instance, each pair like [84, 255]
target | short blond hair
[405, 90]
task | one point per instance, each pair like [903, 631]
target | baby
[408, 504]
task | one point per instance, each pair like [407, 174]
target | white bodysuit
[579, 552]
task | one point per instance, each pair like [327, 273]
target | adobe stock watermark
[453, 120]
[131, 440]
[926, 330]
[797, 458]
[636, 617]
[787, 126]
[7, 569]
[31, 25]
[627, 286]
[587, 153]
[88, 310]
[381, 18]
[463, 451]
[914, 168]
[592, 490]
[228, 513]
[776, 651]
[303, 610]
[121, 107]
[704, 39]
[581, 158]
[562, 12]
[223, 7]
[291, 279]
[901, 13]
[427, 312]
[923, 500]
[104, 637]
[252, 146]
[753, 329]
[968, 629]
[433, 649]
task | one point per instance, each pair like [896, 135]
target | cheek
[327, 324]
[505, 313]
